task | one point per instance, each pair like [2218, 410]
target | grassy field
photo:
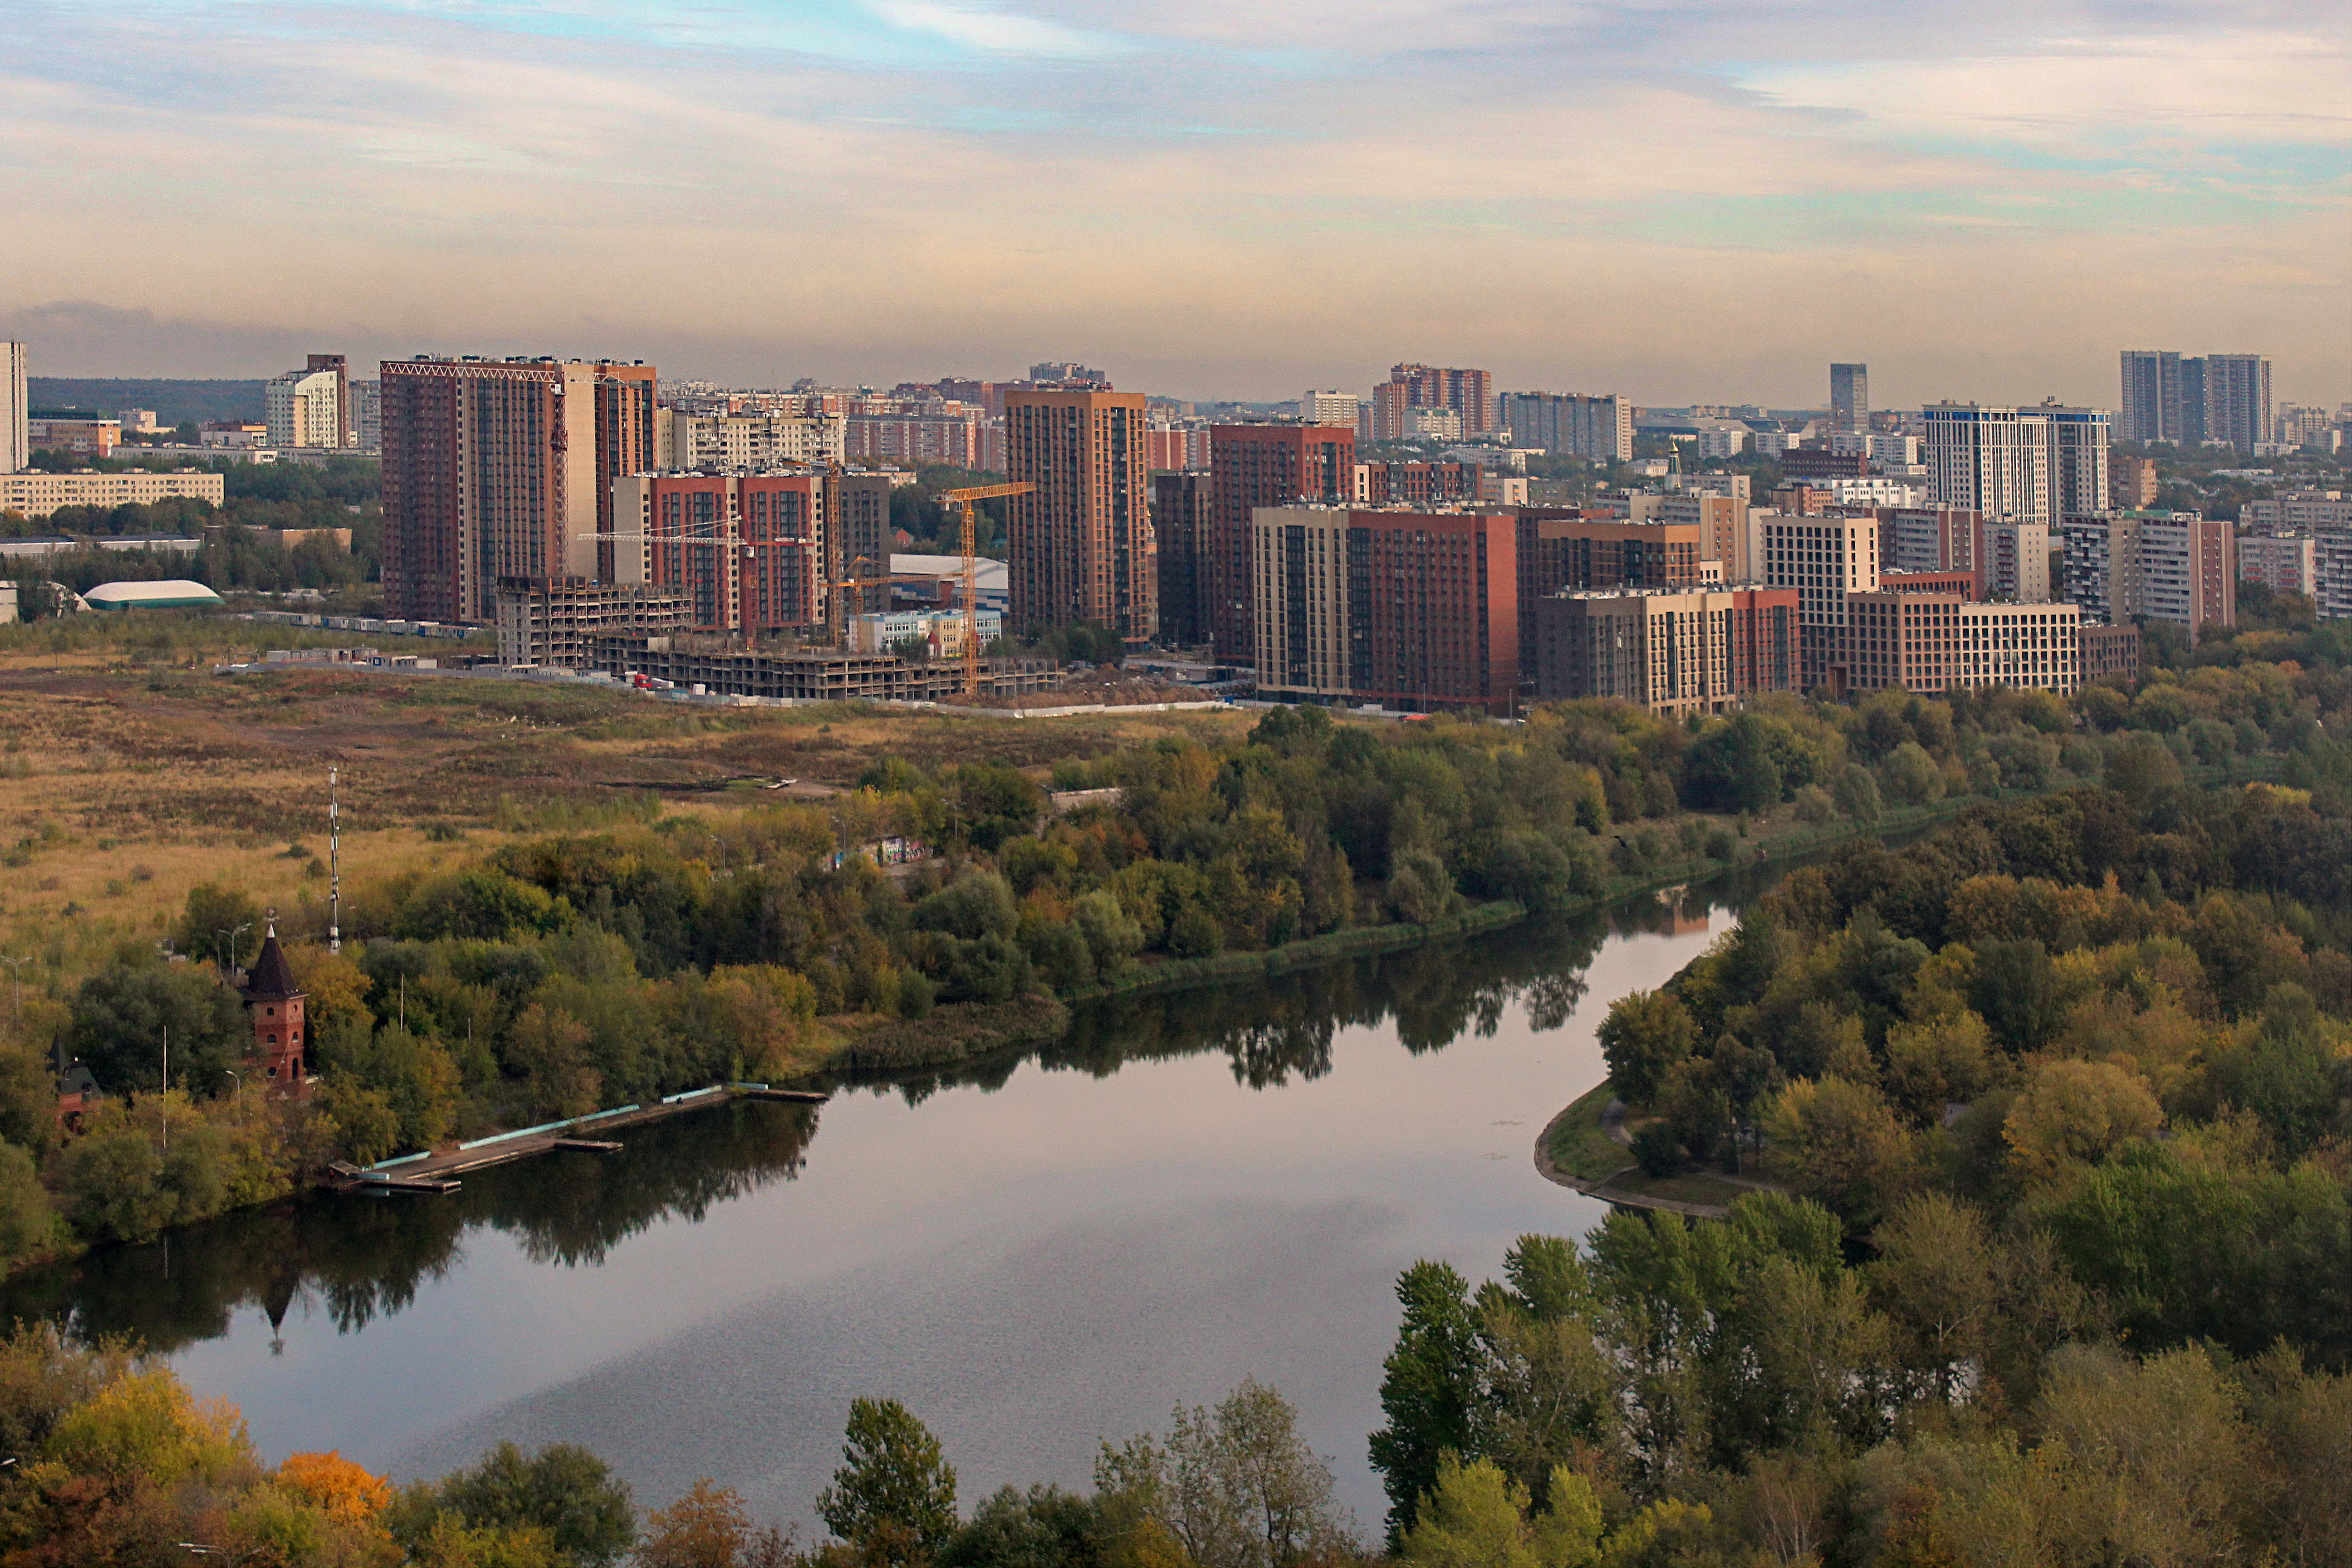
[1579, 1147]
[130, 772]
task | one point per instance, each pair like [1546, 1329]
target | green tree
[1475, 1517]
[1044, 1527]
[1912, 775]
[1232, 1488]
[120, 1014]
[562, 1490]
[1432, 1389]
[1644, 1038]
[219, 926]
[2074, 1113]
[1730, 767]
[894, 1497]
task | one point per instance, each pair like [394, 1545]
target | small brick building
[274, 1001]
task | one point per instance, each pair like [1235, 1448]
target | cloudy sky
[1674, 199]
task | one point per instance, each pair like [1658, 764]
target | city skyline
[1210, 202]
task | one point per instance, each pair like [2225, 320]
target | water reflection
[352, 1259]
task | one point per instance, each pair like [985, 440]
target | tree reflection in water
[354, 1258]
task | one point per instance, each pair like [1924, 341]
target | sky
[1675, 200]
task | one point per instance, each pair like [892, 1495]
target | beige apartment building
[1940, 642]
[35, 494]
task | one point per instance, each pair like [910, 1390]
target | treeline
[234, 556]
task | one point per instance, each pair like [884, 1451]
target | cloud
[997, 32]
[1669, 198]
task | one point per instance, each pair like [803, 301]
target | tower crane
[964, 498]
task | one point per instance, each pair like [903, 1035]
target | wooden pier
[437, 1172]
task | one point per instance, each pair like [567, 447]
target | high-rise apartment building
[855, 521]
[2283, 562]
[1850, 397]
[1413, 610]
[1468, 393]
[1068, 371]
[1329, 408]
[2152, 406]
[2016, 561]
[367, 415]
[340, 368]
[1930, 539]
[747, 551]
[756, 441]
[1569, 425]
[15, 408]
[2131, 483]
[2016, 464]
[1575, 550]
[1080, 543]
[305, 408]
[1824, 558]
[1181, 509]
[2159, 565]
[2237, 407]
[1254, 465]
[1674, 651]
[503, 468]
[1990, 460]
[2188, 401]
[1722, 524]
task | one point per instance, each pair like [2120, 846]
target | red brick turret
[275, 1004]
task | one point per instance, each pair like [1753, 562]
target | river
[1035, 1255]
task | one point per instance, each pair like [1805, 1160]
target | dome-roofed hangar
[169, 593]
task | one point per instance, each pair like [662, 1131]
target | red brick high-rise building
[1080, 544]
[1251, 465]
[503, 468]
[1413, 610]
[1468, 393]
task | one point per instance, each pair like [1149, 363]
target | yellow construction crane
[971, 575]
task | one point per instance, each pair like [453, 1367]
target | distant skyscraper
[367, 414]
[2151, 397]
[1850, 397]
[340, 368]
[1080, 544]
[1065, 370]
[1330, 408]
[1468, 393]
[1568, 424]
[2237, 407]
[15, 442]
[503, 468]
[1254, 465]
[2190, 401]
[305, 408]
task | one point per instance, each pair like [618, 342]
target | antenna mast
[334, 865]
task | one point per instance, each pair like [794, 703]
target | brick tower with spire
[274, 1002]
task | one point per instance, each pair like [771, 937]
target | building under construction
[721, 668]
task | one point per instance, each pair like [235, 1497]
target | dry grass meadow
[130, 772]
